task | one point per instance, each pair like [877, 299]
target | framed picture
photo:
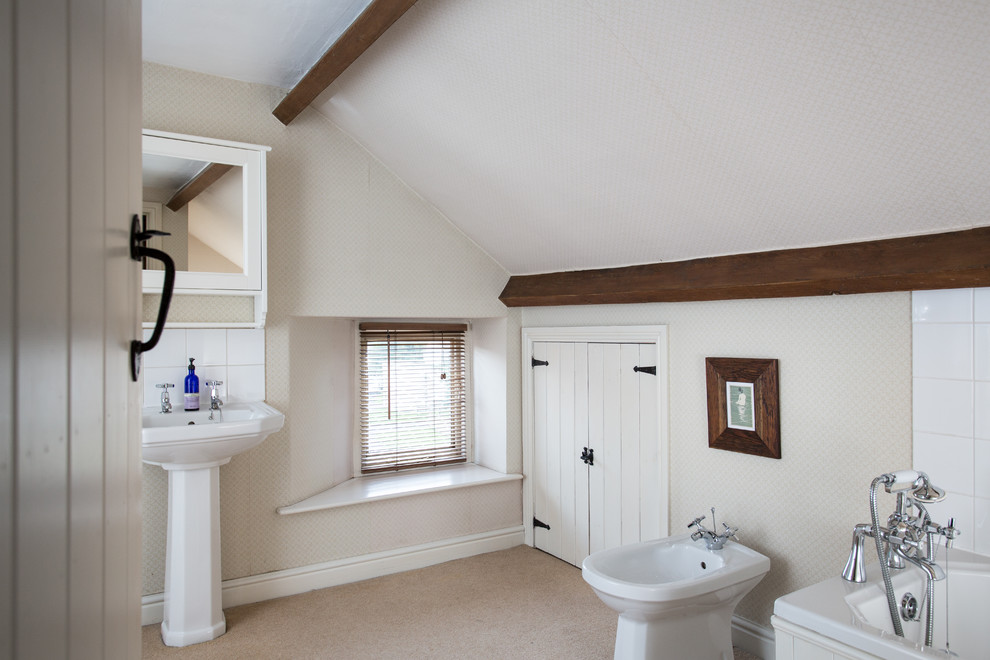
[739, 403]
[743, 405]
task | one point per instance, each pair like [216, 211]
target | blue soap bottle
[192, 388]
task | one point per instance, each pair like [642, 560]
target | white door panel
[629, 434]
[582, 472]
[649, 461]
[566, 458]
[70, 470]
[589, 396]
[539, 471]
[596, 441]
[553, 468]
[611, 451]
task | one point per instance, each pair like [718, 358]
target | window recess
[413, 395]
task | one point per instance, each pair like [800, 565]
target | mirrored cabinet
[209, 196]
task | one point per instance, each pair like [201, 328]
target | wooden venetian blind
[413, 395]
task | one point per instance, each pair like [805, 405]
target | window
[413, 395]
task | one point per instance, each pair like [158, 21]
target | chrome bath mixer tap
[907, 539]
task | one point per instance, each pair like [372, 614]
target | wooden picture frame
[743, 405]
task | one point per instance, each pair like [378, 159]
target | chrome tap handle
[166, 401]
[713, 541]
[215, 401]
[216, 414]
[950, 532]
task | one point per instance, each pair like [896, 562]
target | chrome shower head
[916, 485]
[901, 480]
[926, 492]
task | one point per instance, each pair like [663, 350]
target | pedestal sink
[192, 447]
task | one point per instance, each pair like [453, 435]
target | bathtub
[851, 620]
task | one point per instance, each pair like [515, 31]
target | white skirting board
[753, 638]
[291, 581]
[240, 591]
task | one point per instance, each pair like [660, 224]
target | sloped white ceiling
[566, 134]
[263, 41]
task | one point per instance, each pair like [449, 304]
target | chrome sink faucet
[713, 541]
[215, 401]
[166, 402]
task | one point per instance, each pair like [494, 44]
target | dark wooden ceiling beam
[206, 178]
[364, 31]
[935, 261]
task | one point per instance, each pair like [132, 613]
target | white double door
[596, 472]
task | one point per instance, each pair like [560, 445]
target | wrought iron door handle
[139, 250]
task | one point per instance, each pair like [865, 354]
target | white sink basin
[192, 447]
[191, 439]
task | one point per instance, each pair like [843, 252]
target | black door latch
[588, 456]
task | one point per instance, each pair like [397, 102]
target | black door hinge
[540, 523]
[540, 363]
[646, 370]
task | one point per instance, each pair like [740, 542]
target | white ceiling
[260, 41]
[168, 173]
[573, 134]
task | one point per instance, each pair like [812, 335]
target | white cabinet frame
[253, 282]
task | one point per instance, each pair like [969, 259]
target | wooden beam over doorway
[364, 31]
[936, 261]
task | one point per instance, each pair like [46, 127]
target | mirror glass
[209, 195]
[200, 205]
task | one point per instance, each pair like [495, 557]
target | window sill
[402, 484]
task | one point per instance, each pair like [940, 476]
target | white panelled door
[70, 422]
[596, 460]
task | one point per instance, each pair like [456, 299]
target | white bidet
[674, 597]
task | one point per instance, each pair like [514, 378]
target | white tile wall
[234, 356]
[951, 396]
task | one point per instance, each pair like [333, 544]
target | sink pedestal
[193, 612]
[191, 446]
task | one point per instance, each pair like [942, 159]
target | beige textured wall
[343, 235]
[345, 239]
[845, 408]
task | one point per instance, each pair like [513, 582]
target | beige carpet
[516, 603]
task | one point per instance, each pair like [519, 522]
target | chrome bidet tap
[713, 541]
